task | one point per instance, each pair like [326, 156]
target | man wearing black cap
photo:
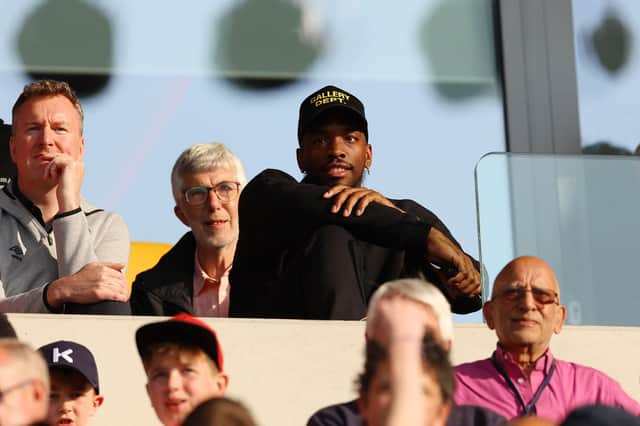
[318, 248]
[75, 389]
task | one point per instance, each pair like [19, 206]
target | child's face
[73, 400]
[178, 381]
[374, 405]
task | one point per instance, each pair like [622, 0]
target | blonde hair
[420, 291]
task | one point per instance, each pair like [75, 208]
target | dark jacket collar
[28, 204]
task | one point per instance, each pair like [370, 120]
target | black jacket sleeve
[277, 213]
[274, 202]
[460, 304]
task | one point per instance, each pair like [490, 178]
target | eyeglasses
[225, 191]
[7, 390]
[541, 296]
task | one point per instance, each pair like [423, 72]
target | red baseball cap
[181, 328]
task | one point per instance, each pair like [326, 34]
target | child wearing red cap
[184, 365]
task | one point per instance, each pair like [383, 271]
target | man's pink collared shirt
[571, 386]
[210, 298]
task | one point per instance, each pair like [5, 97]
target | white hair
[25, 360]
[420, 291]
[204, 157]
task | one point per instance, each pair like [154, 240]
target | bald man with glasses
[193, 277]
[24, 384]
[522, 377]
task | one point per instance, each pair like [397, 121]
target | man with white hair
[434, 314]
[24, 384]
[193, 277]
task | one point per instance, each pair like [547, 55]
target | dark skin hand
[355, 199]
[441, 250]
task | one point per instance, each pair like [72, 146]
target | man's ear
[562, 316]
[180, 215]
[40, 391]
[12, 148]
[487, 310]
[300, 159]
[448, 343]
[368, 156]
[81, 147]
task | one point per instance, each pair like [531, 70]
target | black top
[277, 214]
[346, 414]
[167, 288]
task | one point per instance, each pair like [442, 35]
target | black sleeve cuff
[46, 302]
[69, 213]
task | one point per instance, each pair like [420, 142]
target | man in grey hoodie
[60, 254]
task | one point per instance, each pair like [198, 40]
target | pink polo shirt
[571, 386]
[210, 298]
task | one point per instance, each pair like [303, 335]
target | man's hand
[348, 198]
[95, 282]
[67, 173]
[441, 250]
[398, 318]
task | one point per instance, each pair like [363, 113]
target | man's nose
[527, 300]
[214, 201]
[47, 135]
[336, 147]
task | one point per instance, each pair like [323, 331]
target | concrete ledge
[285, 370]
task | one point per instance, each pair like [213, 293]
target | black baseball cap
[74, 356]
[181, 328]
[600, 415]
[327, 98]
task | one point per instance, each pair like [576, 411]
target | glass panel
[155, 77]
[578, 213]
[607, 64]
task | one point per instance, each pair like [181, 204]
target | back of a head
[420, 291]
[600, 415]
[220, 412]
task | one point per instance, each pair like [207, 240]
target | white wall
[285, 370]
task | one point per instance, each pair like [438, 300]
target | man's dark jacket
[277, 214]
[167, 288]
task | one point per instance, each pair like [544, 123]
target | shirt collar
[542, 364]
[201, 277]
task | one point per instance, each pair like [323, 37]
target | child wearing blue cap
[75, 390]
